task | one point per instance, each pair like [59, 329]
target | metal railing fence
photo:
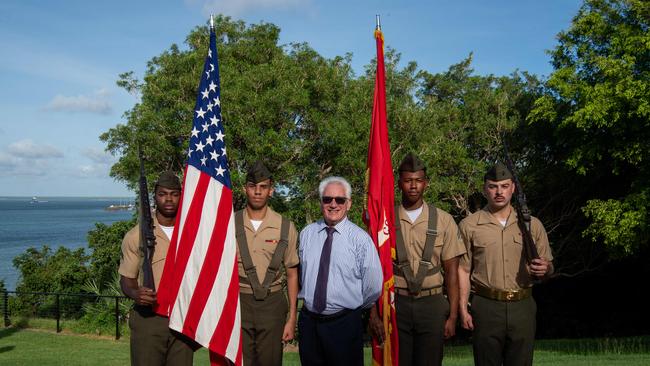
[59, 306]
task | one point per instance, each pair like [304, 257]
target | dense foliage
[47, 271]
[73, 272]
[105, 243]
[308, 117]
[597, 104]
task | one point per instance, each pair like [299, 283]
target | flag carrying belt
[402, 267]
[260, 290]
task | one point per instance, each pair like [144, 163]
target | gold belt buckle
[510, 295]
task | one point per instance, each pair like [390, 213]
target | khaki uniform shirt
[132, 256]
[495, 253]
[262, 244]
[447, 245]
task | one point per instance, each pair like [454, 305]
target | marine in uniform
[266, 250]
[503, 311]
[428, 250]
[152, 342]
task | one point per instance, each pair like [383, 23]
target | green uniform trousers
[262, 325]
[154, 344]
[504, 332]
[421, 328]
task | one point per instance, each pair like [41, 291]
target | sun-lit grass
[69, 326]
[596, 346]
[20, 346]
[38, 347]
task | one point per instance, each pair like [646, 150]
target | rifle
[147, 237]
[523, 213]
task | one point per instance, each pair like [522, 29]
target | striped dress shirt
[355, 275]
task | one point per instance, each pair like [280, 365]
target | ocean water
[54, 221]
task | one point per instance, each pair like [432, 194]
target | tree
[597, 104]
[106, 243]
[70, 271]
[45, 271]
[308, 117]
[274, 97]
[460, 133]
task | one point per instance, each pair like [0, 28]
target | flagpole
[211, 22]
[377, 22]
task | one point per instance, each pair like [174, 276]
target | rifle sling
[523, 214]
[260, 290]
[147, 247]
[426, 268]
[529, 246]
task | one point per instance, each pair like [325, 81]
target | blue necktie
[320, 292]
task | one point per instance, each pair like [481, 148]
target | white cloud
[92, 171]
[29, 158]
[13, 166]
[27, 149]
[99, 166]
[25, 157]
[239, 7]
[98, 156]
[7, 161]
[98, 103]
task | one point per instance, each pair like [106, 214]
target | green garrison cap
[411, 163]
[169, 180]
[257, 173]
[498, 172]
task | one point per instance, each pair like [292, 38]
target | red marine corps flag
[380, 215]
[199, 288]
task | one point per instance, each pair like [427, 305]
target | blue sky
[61, 60]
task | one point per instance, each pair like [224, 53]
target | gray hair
[335, 180]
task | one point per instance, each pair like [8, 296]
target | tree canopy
[597, 104]
[308, 117]
[579, 139]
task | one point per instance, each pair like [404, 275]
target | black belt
[326, 317]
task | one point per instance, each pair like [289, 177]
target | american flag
[199, 288]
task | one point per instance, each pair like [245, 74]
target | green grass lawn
[39, 347]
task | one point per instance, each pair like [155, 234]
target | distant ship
[128, 207]
[36, 200]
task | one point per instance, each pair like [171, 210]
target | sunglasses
[339, 200]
